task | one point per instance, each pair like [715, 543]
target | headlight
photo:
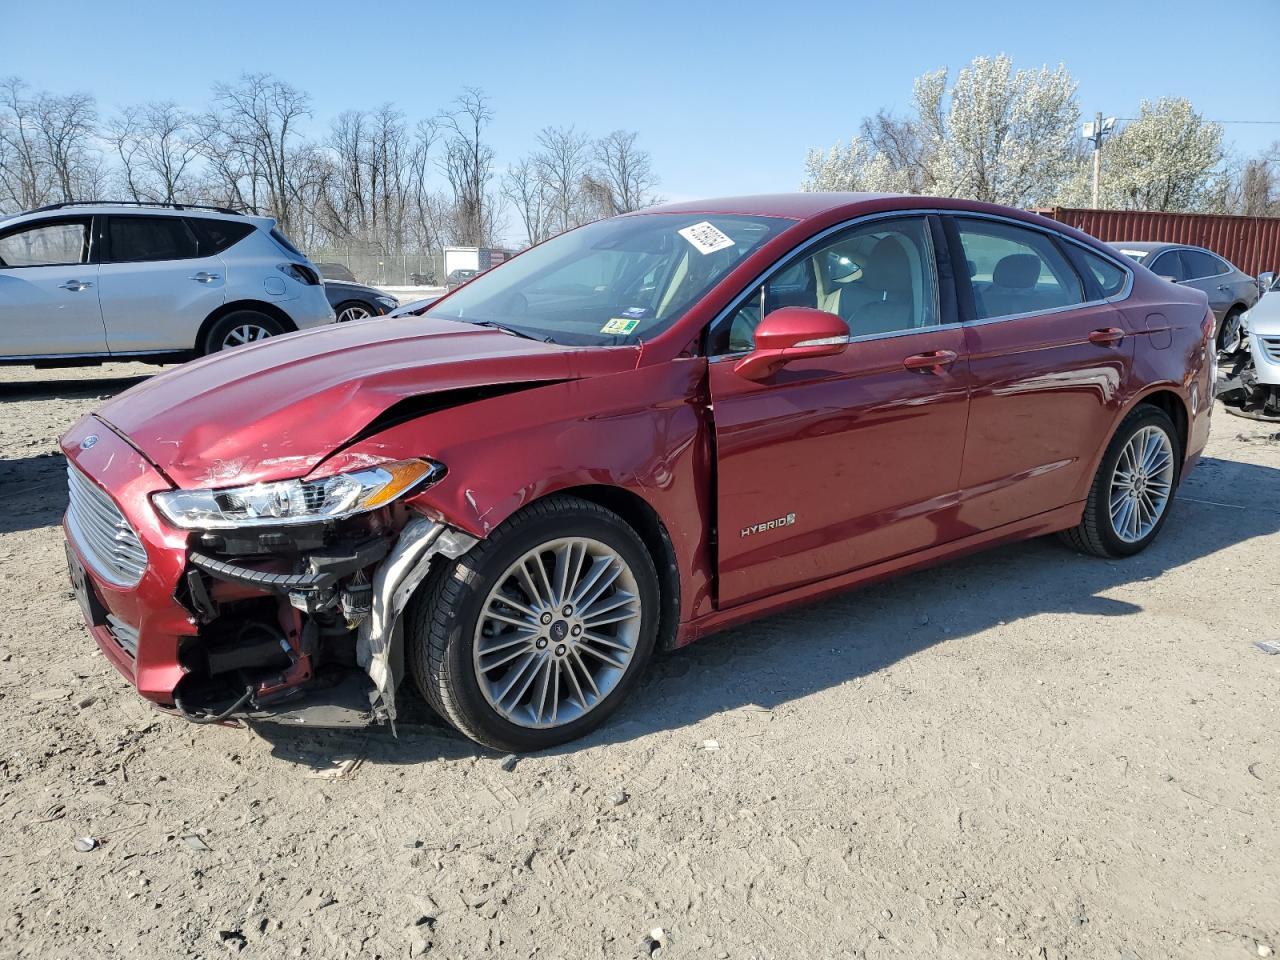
[296, 501]
[389, 302]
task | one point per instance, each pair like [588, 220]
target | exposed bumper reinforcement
[380, 643]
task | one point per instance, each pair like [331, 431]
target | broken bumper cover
[153, 631]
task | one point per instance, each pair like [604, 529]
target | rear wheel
[1132, 491]
[539, 632]
[239, 328]
[1229, 337]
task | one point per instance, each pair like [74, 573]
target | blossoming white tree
[1169, 158]
[999, 134]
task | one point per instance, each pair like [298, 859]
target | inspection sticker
[706, 237]
[620, 325]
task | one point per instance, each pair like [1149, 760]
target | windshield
[613, 281]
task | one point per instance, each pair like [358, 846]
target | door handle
[1106, 336]
[1224, 288]
[203, 277]
[76, 285]
[932, 362]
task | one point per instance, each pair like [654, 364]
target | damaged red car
[638, 433]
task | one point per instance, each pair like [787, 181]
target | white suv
[86, 282]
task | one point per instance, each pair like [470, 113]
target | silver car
[82, 283]
[1231, 291]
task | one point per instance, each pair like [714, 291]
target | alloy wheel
[1141, 484]
[244, 333]
[354, 312]
[557, 632]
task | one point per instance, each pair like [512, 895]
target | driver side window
[879, 278]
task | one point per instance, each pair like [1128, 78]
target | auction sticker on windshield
[706, 237]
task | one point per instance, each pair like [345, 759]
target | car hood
[275, 409]
[1264, 316]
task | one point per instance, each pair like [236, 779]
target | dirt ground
[1027, 753]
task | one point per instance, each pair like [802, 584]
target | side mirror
[1265, 280]
[792, 333]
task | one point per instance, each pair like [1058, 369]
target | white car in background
[1250, 363]
[87, 282]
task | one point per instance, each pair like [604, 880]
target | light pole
[1096, 132]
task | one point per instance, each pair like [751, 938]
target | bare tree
[525, 190]
[158, 147]
[253, 141]
[623, 178]
[23, 176]
[46, 146]
[468, 166]
[563, 160]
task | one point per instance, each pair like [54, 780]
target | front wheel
[538, 633]
[1131, 493]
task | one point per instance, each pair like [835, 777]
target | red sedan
[643, 431]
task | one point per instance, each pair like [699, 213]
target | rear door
[1047, 354]
[49, 289]
[156, 286]
[1206, 272]
[838, 463]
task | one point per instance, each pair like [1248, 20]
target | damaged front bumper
[299, 626]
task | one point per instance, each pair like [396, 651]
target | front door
[49, 290]
[1048, 356]
[156, 289]
[833, 464]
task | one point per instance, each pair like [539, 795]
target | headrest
[1018, 270]
[888, 267]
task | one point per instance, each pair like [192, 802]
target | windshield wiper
[495, 325]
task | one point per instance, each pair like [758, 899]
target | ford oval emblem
[88, 441]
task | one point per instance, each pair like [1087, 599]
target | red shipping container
[1251, 243]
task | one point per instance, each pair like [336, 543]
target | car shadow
[70, 389]
[790, 655]
[34, 490]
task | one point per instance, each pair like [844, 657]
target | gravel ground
[1027, 753]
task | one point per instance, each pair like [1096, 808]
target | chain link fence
[370, 264]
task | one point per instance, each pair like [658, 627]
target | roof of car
[85, 209]
[1143, 246]
[796, 206]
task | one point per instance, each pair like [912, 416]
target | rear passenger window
[1110, 278]
[214, 236]
[1199, 264]
[135, 239]
[1014, 270]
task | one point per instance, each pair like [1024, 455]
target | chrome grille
[1271, 347]
[124, 635]
[105, 538]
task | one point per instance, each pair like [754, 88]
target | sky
[727, 97]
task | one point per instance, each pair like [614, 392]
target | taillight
[304, 275]
[1207, 325]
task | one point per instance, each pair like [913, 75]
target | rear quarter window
[214, 236]
[1109, 277]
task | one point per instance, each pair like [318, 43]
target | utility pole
[1096, 132]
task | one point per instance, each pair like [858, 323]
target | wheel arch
[270, 309]
[1172, 403]
[640, 515]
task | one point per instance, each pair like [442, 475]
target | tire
[354, 310]
[240, 323]
[1100, 532]
[1229, 329]
[451, 622]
